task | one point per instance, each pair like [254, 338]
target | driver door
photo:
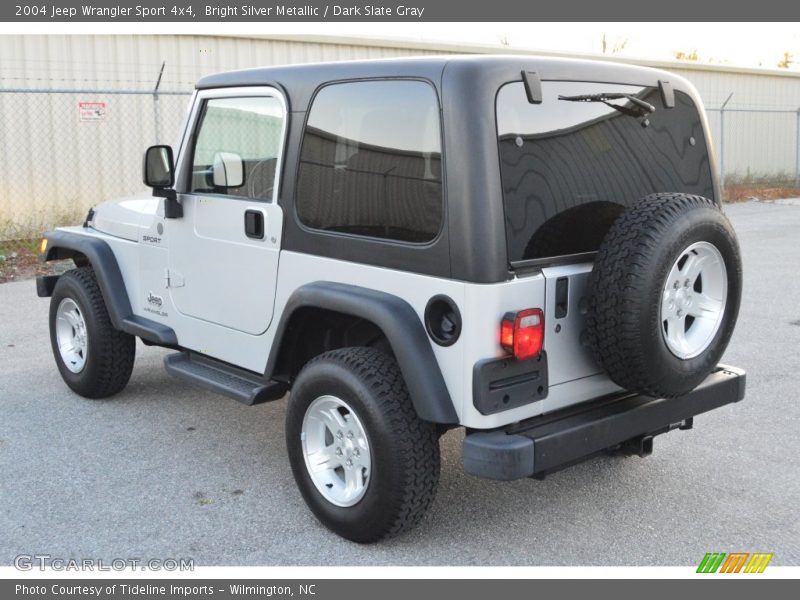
[223, 253]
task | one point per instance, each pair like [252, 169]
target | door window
[237, 147]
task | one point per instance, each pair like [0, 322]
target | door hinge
[173, 279]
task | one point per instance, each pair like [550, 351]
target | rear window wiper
[643, 108]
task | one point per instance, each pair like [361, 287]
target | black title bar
[183, 11]
[731, 587]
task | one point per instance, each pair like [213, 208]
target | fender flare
[403, 329]
[66, 244]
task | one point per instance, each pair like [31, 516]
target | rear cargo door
[565, 341]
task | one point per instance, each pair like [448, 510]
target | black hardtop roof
[326, 71]
[300, 81]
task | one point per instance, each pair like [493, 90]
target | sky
[735, 44]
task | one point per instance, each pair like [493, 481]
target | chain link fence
[66, 150]
[758, 150]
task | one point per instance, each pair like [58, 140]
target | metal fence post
[797, 150]
[156, 114]
[722, 143]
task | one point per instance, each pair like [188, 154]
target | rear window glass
[568, 168]
[371, 161]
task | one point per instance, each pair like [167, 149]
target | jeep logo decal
[155, 300]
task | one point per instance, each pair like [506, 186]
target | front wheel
[95, 360]
[365, 463]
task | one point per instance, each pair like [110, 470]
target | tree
[615, 48]
[786, 61]
[687, 56]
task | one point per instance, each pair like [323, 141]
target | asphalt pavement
[165, 470]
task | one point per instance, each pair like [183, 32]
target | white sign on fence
[92, 111]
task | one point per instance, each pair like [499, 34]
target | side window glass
[371, 161]
[237, 147]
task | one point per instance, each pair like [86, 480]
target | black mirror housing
[158, 172]
[158, 168]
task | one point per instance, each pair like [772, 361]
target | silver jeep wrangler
[531, 249]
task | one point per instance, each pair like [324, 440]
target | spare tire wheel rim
[693, 300]
[336, 451]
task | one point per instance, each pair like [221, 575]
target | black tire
[627, 282]
[404, 449]
[110, 353]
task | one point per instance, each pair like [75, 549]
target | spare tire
[665, 294]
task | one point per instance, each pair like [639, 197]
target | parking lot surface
[165, 470]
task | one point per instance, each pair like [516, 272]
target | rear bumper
[628, 422]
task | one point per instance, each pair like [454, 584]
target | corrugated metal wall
[56, 164]
[133, 61]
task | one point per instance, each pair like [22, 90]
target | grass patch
[744, 192]
[742, 187]
[19, 244]
[19, 260]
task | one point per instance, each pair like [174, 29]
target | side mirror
[158, 170]
[228, 170]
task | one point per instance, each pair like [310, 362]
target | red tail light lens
[507, 333]
[522, 333]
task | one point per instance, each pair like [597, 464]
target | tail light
[522, 333]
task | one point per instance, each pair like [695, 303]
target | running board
[222, 378]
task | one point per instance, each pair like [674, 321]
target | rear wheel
[365, 463]
[665, 294]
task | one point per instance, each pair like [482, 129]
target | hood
[126, 217]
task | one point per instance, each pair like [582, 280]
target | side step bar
[624, 422]
[216, 376]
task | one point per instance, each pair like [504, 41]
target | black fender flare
[66, 244]
[399, 323]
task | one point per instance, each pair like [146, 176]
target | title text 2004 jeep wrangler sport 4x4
[532, 249]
